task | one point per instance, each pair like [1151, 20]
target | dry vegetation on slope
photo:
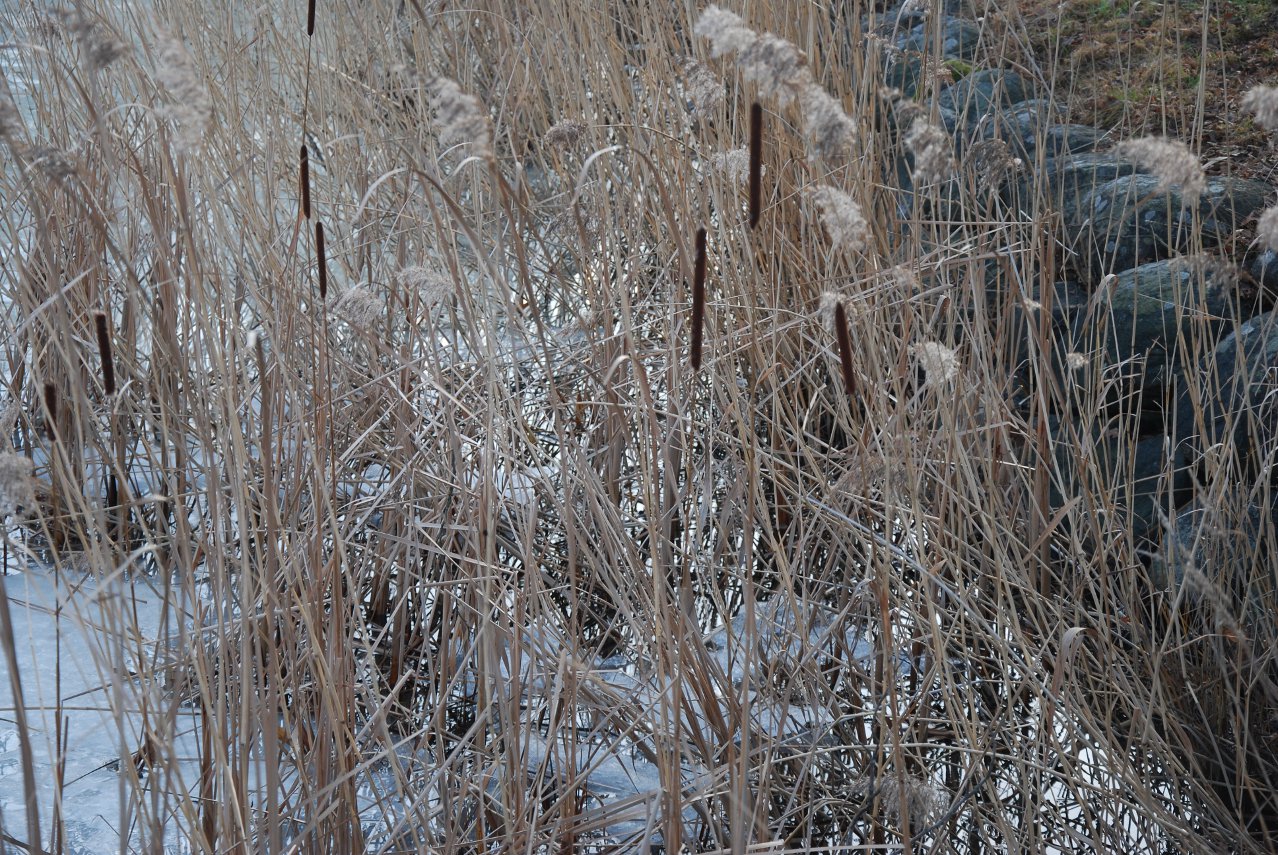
[404, 434]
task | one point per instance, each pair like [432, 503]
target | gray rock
[1226, 542]
[1129, 221]
[960, 39]
[1237, 401]
[1144, 476]
[981, 93]
[1149, 315]
[1031, 128]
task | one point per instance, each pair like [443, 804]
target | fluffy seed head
[459, 117]
[431, 287]
[933, 158]
[565, 134]
[702, 87]
[733, 165]
[98, 45]
[780, 68]
[1075, 361]
[828, 129]
[841, 216]
[939, 362]
[725, 31]
[1267, 228]
[1171, 162]
[357, 307]
[1263, 101]
[192, 108]
[17, 484]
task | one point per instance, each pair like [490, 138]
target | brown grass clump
[353, 427]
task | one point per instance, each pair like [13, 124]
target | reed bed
[496, 397]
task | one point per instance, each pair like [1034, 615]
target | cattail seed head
[104, 351]
[305, 181]
[756, 162]
[321, 258]
[1171, 162]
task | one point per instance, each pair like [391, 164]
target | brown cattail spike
[698, 299]
[323, 261]
[310, 17]
[306, 182]
[51, 406]
[845, 350]
[756, 162]
[104, 352]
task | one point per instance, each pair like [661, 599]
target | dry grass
[437, 547]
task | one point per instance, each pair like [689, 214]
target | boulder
[1129, 221]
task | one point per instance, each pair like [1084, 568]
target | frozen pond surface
[53, 625]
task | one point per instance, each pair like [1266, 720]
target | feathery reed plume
[845, 350]
[756, 162]
[310, 17]
[939, 363]
[829, 130]
[701, 86]
[1170, 161]
[54, 163]
[357, 307]
[98, 46]
[1075, 361]
[565, 134]
[10, 119]
[725, 31]
[1263, 101]
[734, 165]
[17, 483]
[322, 258]
[780, 68]
[192, 108]
[1267, 228]
[698, 298]
[933, 160]
[50, 397]
[104, 352]
[305, 180]
[430, 286]
[840, 215]
[461, 118]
